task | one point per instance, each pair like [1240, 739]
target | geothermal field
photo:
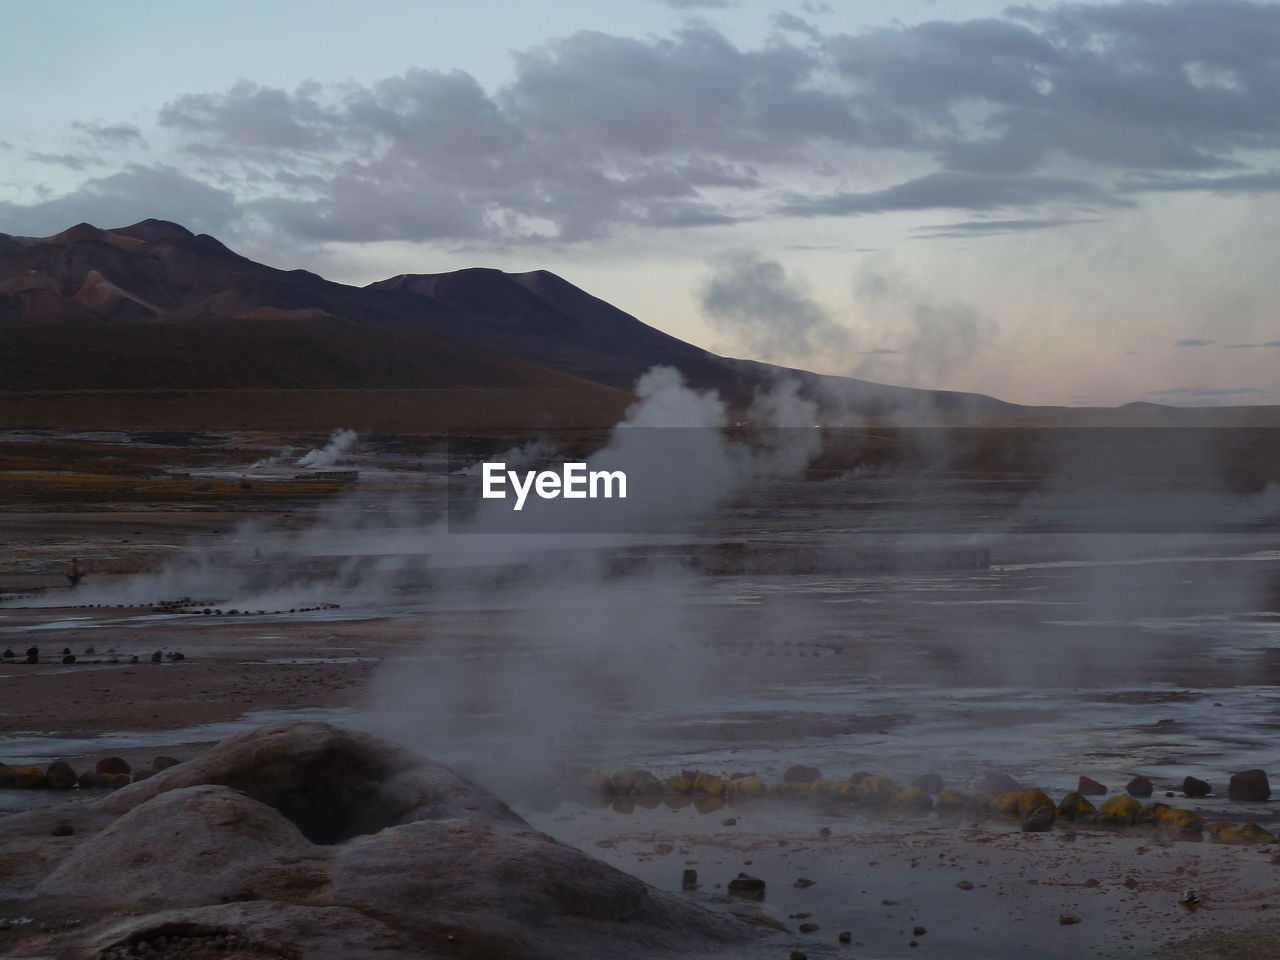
[829, 692]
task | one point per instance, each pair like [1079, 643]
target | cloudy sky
[1052, 203]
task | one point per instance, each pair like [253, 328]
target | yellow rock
[1252, 833]
[1222, 832]
[6, 775]
[622, 781]
[876, 791]
[648, 801]
[1075, 805]
[596, 784]
[951, 801]
[708, 784]
[1183, 821]
[114, 781]
[646, 784]
[1119, 810]
[912, 798]
[623, 805]
[28, 776]
[1007, 803]
[677, 801]
[1151, 813]
[745, 788]
[677, 786]
[1029, 800]
[843, 790]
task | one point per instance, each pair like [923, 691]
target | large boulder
[1250, 786]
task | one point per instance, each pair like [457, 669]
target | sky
[1049, 203]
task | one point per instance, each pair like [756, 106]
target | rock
[63, 828]
[1250, 786]
[1075, 806]
[876, 791]
[993, 784]
[803, 882]
[112, 765]
[1151, 813]
[1222, 832]
[708, 784]
[964, 884]
[845, 936]
[113, 781]
[89, 780]
[623, 781]
[1068, 919]
[28, 777]
[746, 886]
[1139, 786]
[646, 785]
[595, 784]
[912, 799]
[69, 658]
[689, 880]
[1187, 823]
[1120, 811]
[1020, 803]
[952, 802]
[930, 783]
[1192, 787]
[1089, 787]
[745, 788]
[798, 955]
[164, 763]
[808, 928]
[801, 774]
[1039, 820]
[918, 931]
[677, 786]
[729, 822]
[60, 776]
[7, 775]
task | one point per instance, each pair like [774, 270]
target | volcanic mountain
[153, 307]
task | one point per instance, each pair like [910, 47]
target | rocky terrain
[303, 840]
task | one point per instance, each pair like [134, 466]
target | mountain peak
[153, 231]
[76, 234]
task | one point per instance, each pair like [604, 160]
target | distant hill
[153, 307]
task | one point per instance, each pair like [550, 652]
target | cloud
[1039, 118]
[992, 228]
[699, 4]
[953, 189]
[767, 314]
[107, 136]
[1250, 346]
[72, 161]
[133, 194]
[1258, 182]
[1193, 342]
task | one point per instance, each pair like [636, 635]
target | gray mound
[303, 840]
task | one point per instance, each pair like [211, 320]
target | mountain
[154, 307]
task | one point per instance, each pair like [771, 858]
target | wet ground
[1105, 654]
